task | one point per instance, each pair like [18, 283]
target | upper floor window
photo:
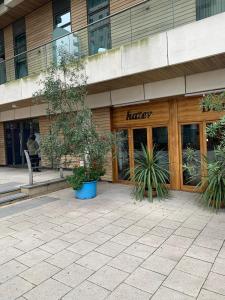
[62, 27]
[99, 33]
[207, 8]
[20, 48]
[61, 17]
[2, 58]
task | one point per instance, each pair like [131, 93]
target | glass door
[16, 137]
[161, 145]
[140, 139]
[123, 155]
[191, 150]
[129, 147]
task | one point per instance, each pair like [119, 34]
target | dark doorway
[16, 137]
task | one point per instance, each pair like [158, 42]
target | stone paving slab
[56, 247]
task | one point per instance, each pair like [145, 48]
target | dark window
[2, 58]
[62, 27]
[99, 33]
[62, 16]
[20, 47]
[207, 8]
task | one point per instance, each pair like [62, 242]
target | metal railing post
[31, 181]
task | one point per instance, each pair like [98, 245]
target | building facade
[148, 63]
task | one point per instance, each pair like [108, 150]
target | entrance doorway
[130, 147]
[191, 145]
[16, 137]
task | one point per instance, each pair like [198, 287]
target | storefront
[172, 126]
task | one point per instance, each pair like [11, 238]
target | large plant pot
[88, 191]
[154, 194]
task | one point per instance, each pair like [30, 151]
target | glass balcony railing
[126, 27]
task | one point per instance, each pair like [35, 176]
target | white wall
[172, 87]
[205, 81]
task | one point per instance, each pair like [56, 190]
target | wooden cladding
[8, 37]
[39, 26]
[162, 111]
[2, 146]
[102, 120]
[118, 5]
[79, 14]
[143, 20]
[189, 109]
[158, 112]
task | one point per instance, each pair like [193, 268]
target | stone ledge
[45, 187]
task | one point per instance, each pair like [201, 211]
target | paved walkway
[111, 248]
[11, 177]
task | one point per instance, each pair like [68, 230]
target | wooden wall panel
[148, 18]
[9, 53]
[184, 11]
[79, 20]
[39, 28]
[174, 154]
[44, 129]
[118, 5]
[189, 110]
[159, 114]
[79, 14]
[2, 146]
[8, 36]
[102, 120]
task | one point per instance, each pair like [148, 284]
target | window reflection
[123, 159]
[63, 20]
[190, 136]
[100, 32]
[160, 142]
[213, 143]
[139, 139]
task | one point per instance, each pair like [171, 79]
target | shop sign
[142, 115]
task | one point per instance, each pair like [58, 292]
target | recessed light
[14, 106]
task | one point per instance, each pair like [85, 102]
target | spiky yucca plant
[213, 184]
[149, 175]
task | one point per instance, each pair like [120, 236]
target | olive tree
[71, 130]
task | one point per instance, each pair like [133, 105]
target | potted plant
[150, 175]
[84, 182]
[212, 184]
[72, 141]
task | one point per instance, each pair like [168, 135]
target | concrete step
[7, 191]
[12, 198]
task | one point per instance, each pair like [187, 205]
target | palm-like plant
[150, 174]
[213, 183]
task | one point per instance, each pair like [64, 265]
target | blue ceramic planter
[88, 191]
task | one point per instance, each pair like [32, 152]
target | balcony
[149, 42]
